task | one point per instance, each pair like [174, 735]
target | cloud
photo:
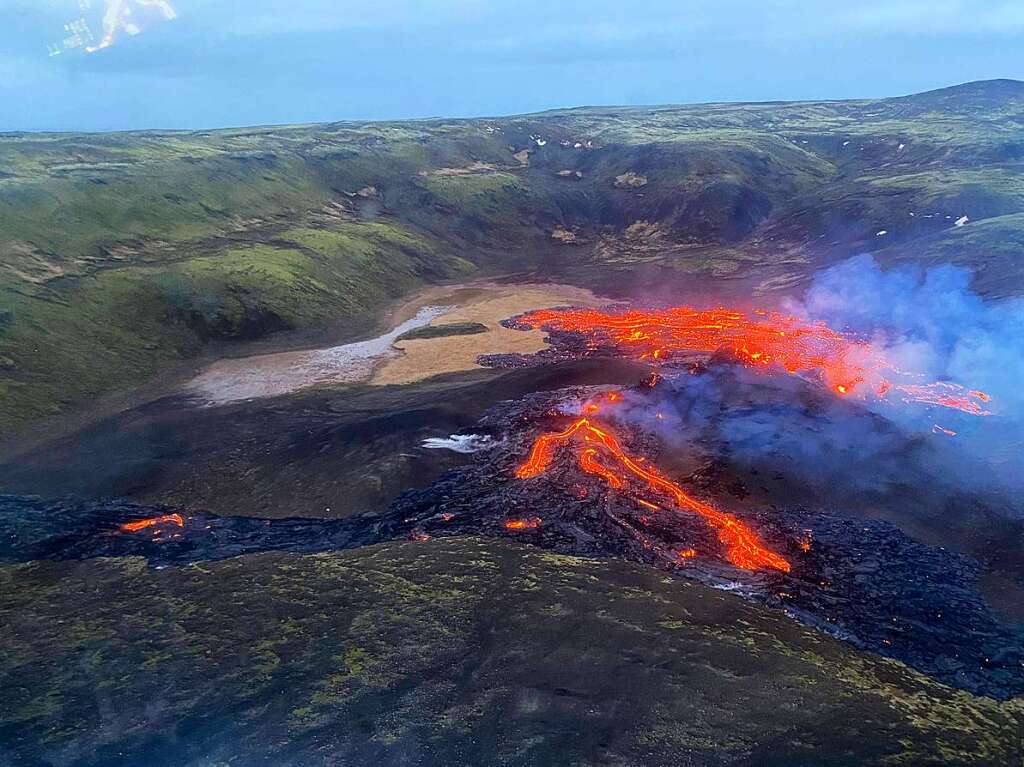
[934, 17]
[312, 60]
[129, 17]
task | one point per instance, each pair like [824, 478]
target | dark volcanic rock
[863, 580]
[866, 582]
[448, 652]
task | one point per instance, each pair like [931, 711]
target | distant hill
[123, 253]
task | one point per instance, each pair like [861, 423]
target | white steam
[932, 327]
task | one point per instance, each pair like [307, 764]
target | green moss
[118, 327]
[122, 253]
[327, 654]
[491, 198]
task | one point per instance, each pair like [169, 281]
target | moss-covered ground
[121, 254]
[444, 330]
[465, 652]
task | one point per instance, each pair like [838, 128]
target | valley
[604, 436]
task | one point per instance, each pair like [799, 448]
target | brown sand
[488, 304]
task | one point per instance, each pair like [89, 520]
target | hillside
[383, 654]
[124, 254]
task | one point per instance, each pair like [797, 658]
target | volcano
[572, 471]
[669, 436]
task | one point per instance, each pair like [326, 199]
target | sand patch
[469, 170]
[384, 359]
[486, 304]
[271, 375]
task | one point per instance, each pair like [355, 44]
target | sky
[218, 63]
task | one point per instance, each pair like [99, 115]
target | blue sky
[231, 62]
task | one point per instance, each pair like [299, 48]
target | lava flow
[523, 524]
[153, 522]
[743, 548]
[766, 340]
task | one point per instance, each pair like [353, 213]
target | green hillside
[123, 253]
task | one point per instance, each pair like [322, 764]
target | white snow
[459, 443]
[731, 586]
[962, 221]
[846, 143]
[541, 142]
[882, 233]
[901, 148]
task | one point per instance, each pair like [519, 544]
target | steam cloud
[928, 323]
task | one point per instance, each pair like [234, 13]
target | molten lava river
[768, 342]
[599, 453]
[568, 469]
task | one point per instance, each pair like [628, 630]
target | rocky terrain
[260, 504]
[448, 651]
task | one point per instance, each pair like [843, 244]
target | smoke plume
[932, 327]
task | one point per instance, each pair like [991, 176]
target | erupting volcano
[604, 456]
[842, 362]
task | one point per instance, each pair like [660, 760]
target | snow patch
[732, 586]
[962, 221]
[459, 443]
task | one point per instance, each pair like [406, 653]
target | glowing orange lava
[767, 340]
[743, 548]
[523, 524]
[143, 524]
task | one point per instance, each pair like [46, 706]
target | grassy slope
[449, 652]
[122, 252]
